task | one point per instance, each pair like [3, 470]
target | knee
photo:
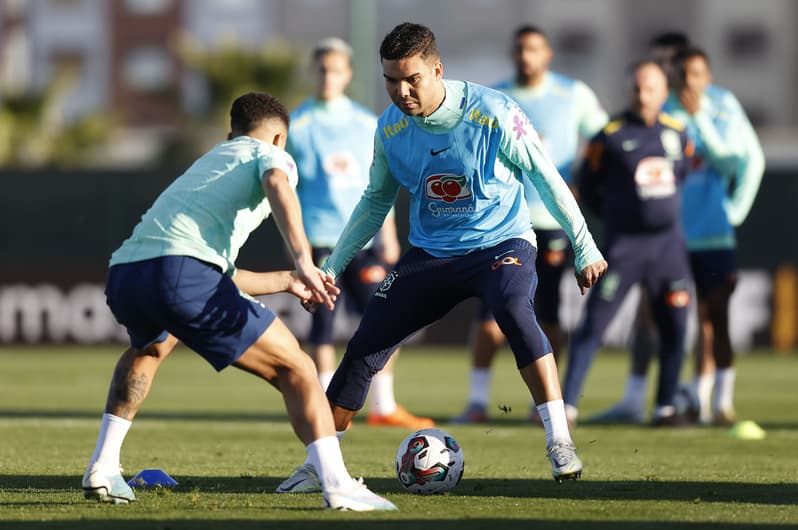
[515, 311]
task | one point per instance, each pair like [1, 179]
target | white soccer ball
[429, 461]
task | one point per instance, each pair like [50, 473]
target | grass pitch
[226, 439]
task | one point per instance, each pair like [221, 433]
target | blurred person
[330, 139]
[461, 151]
[632, 177]
[560, 108]
[175, 279]
[720, 191]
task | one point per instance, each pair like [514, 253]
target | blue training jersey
[331, 143]
[725, 175]
[561, 109]
[462, 166]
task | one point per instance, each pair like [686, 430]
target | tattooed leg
[133, 377]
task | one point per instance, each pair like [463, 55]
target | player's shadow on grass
[511, 420]
[360, 521]
[692, 491]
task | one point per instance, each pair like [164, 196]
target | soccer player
[632, 176]
[560, 108]
[330, 139]
[719, 193]
[461, 151]
[175, 279]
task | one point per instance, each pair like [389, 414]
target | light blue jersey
[332, 145]
[210, 210]
[462, 166]
[560, 109]
[727, 152]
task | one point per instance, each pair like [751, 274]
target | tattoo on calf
[128, 390]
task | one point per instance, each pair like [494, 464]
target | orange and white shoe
[400, 418]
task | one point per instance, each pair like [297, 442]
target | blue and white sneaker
[113, 489]
[303, 479]
[565, 465]
[357, 498]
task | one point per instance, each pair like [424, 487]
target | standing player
[330, 139]
[175, 280]
[632, 176]
[718, 196]
[560, 108]
[461, 151]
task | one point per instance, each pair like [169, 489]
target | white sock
[338, 434]
[325, 456]
[113, 430]
[479, 386]
[325, 378]
[381, 399]
[724, 389]
[663, 411]
[634, 397]
[552, 414]
[703, 389]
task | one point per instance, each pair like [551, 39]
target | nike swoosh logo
[502, 254]
[433, 152]
[291, 486]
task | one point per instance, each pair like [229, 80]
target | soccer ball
[429, 461]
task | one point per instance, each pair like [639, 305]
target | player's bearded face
[531, 55]
[414, 84]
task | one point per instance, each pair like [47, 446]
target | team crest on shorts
[386, 284]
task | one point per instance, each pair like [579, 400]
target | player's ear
[437, 69]
[279, 140]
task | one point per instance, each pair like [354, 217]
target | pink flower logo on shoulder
[520, 126]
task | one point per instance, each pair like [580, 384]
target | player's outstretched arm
[288, 216]
[263, 283]
[588, 276]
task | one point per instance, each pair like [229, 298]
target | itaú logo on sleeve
[447, 188]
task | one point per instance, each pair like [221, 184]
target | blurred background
[104, 102]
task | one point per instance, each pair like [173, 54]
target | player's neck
[440, 98]
[532, 81]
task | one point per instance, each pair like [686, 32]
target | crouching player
[175, 280]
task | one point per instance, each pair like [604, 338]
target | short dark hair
[677, 40]
[408, 39]
[527, 29]
[249, 110]
[689, 53]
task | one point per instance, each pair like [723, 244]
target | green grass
[225, 438]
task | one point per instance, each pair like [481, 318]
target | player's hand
[588, 277]
[690, 99]
[296, 287]
[317, 282]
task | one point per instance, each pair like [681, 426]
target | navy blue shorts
[190, 299]
[421, 289]
[358, 281]
[554, 256]
[712, 269]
